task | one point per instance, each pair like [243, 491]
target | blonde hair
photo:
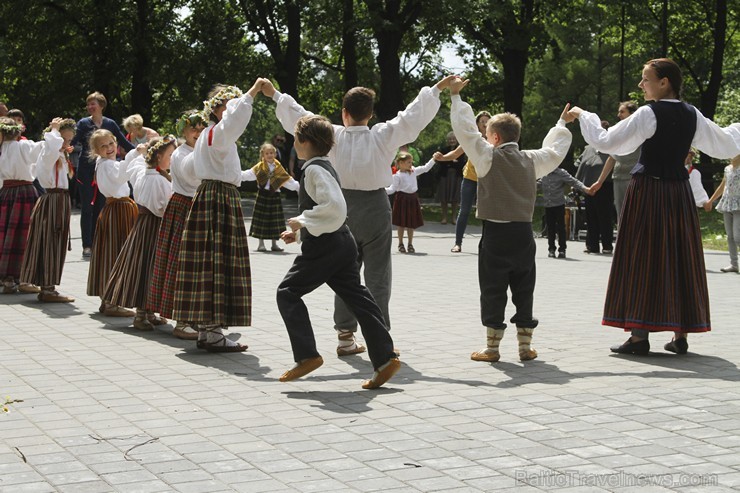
[133, 121]
[95, 138]
[97, 96]
[403, 156]
[508, 126]
[266, 146]
[154, 150]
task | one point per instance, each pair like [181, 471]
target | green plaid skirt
[213, 282]
[268, 220]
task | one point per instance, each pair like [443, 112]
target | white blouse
[18, 159]
[151, 189]
[215, 152]
[361, 154]
[406, 182]
[697, 189]
[182, 171]
[49, 175]
[554, 147]
[630, 133]
[112, 176]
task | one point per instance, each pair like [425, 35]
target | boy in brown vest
[506, 193]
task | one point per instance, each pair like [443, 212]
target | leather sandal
[117, 311]
[456, 249]
[142, 323]
[401, 248]
[302, 368]
[156, 320]
[54, 297]
[220, 346]
[411, 248]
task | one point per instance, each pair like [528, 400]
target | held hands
[438, 156]
[55, 123]
[141, 149]
[256, 87]
[457, 84]
[594, 188]
[708, 206]
[294, 224]
[445, 83]
[268, 89]
[288, 237]
[573, 114]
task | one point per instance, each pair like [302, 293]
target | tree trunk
[514, 62]
[349, 45]
[389, 63]
[141, 90]
[710, 96]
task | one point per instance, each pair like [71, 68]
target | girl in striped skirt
[268, 221]
[658, 280]
[128, 284]
[406, 207]
[48, 237]
[167, 249]
[213, 286]
[17, 198]
[115, 220]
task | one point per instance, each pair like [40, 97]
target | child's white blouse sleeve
[554, 148]
[331, 210]
[409, 123]
[288, 111]
[233, 122]
[49, 155]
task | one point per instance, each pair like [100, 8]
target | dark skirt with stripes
[17, 199]
[658, 280]
[111, 230]
[166, 251]
[128, 284]
[48, 239]
[268, 220]
[407, 211]
[214, 284]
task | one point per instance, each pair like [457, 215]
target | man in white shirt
[361, 157]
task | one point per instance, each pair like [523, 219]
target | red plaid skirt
[17, 199]
[162, 283]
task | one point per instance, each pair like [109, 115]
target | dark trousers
[89, 213]
[555, 219]
[600, 219]
[332, 259]
[506, 261]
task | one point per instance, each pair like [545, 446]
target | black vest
[664, 153]
[305, 202]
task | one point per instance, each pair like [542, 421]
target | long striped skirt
[658, 280]
[111, 230]
[17, 198]
[48, 239]
[407, 211]
[268, 220]
[166, 251]
[214, 284]
[128, 283]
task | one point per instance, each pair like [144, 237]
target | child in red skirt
[17, 198]
[406, 207]
[129, 280]
[167, 249]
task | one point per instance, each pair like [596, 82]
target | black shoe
[678, 346]
[551, 254]
[587, 250]
[607, 252]
[561, 254]
[640, 347]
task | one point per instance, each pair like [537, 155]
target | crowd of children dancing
[178, 249]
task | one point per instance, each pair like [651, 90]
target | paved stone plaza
[100, 407]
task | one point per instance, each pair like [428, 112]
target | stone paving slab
[106, 408]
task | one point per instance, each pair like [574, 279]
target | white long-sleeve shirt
[18, 159]
[215, 152]
[112, 176]
[330, 211]
[630, 133]
[361, 154]
[406, 182]
[49, 175]
[290, 184]
[151, 189]
[554, 147]
[697, 189]
[182, 171]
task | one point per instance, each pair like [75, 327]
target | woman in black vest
[658, 279]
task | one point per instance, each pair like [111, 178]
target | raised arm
[624, 137]
[479, 151]
[235, 118]
[450, 156]
[718, 142]
[420, 170]
[554, 147]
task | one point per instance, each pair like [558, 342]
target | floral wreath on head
[154, 148]
[190, 119]
[7, 128]
[225, 94]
